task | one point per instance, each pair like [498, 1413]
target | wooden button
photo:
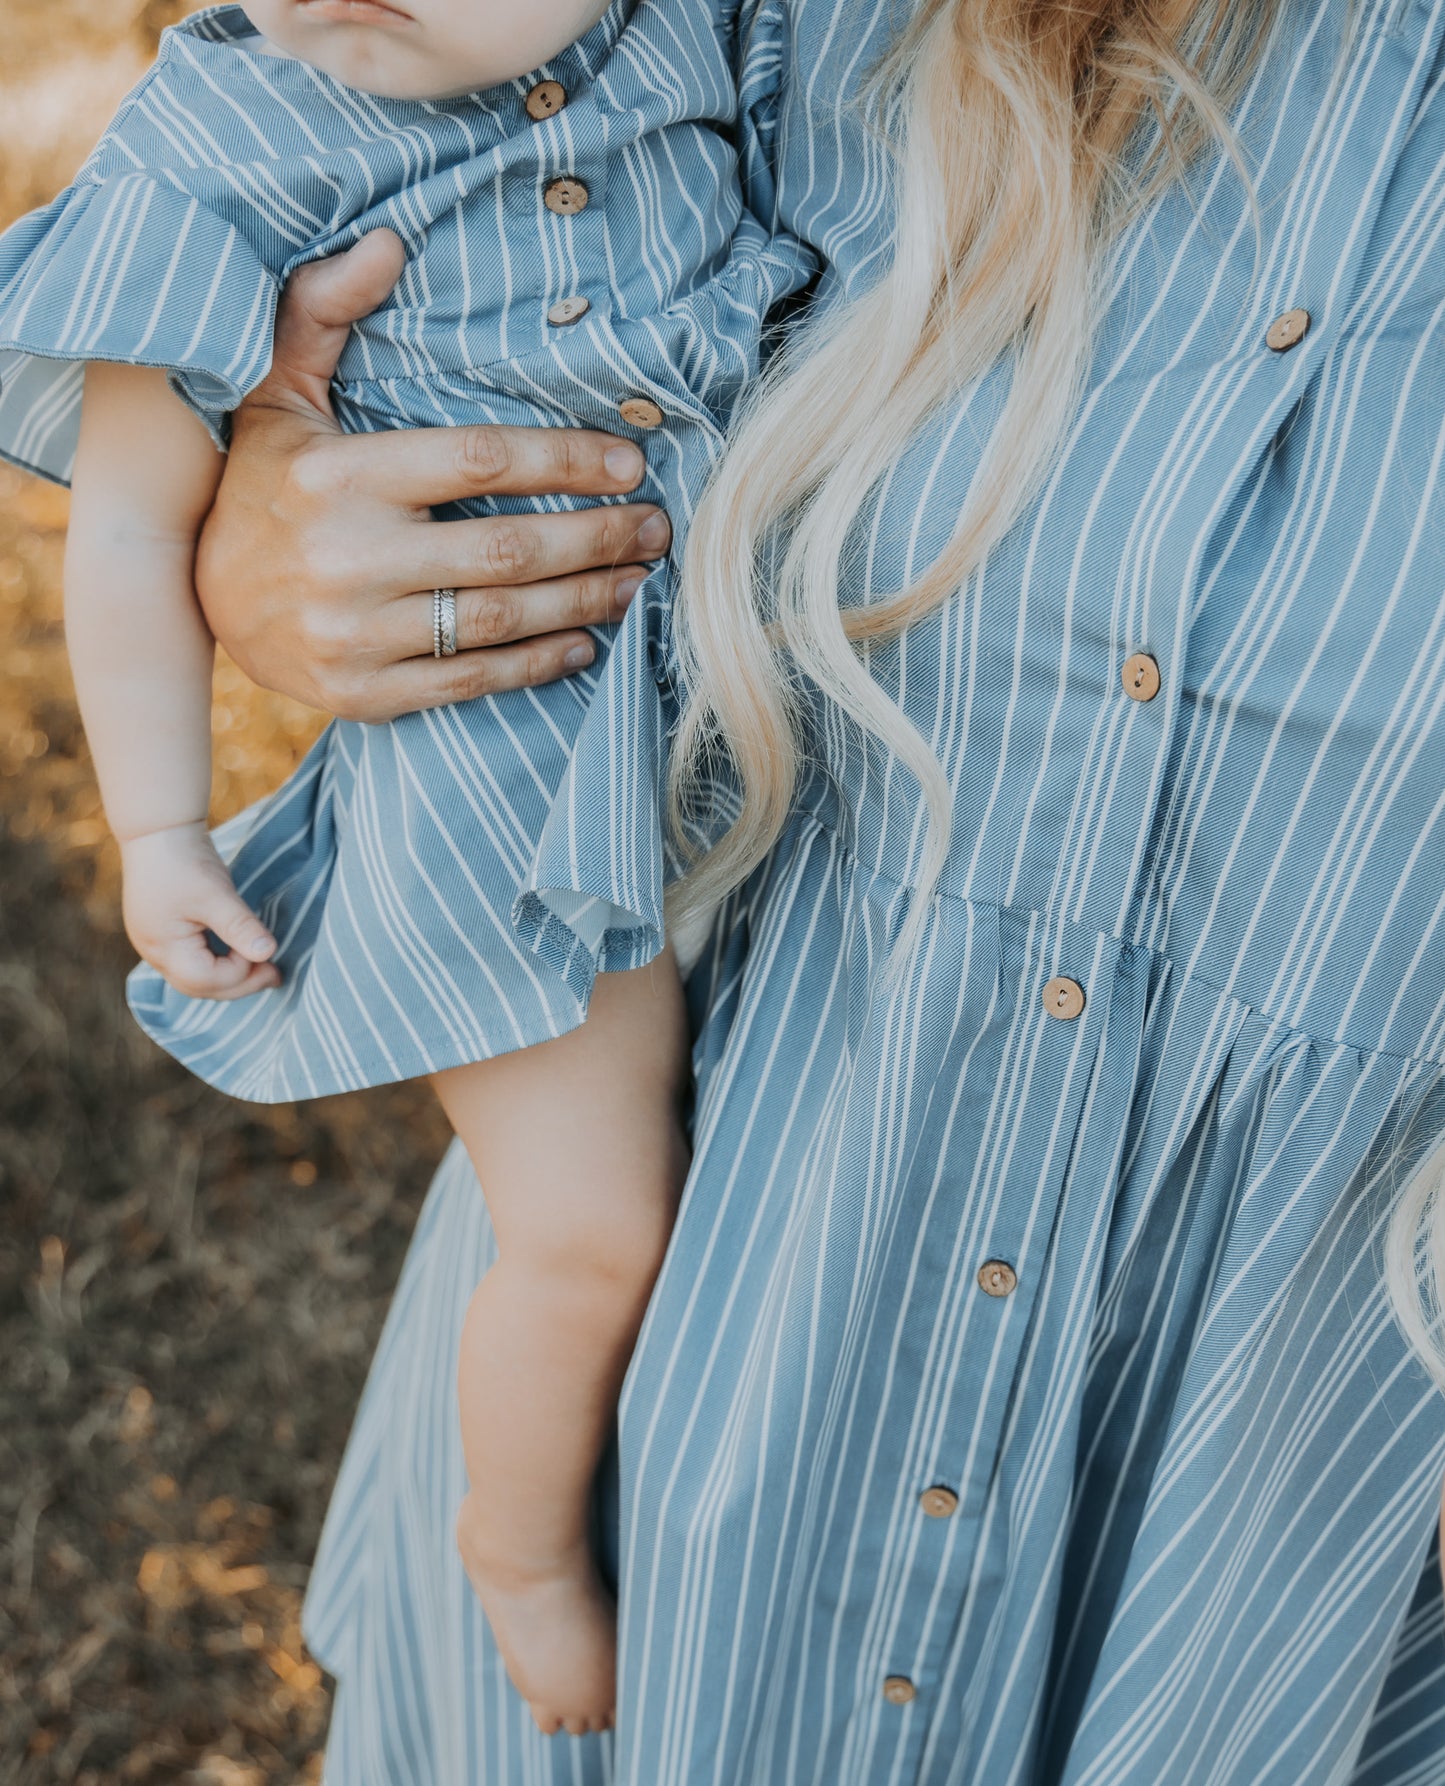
[568, 310]
[566, 196]
[545, 99]
[1141, 677]
[995, 1278]
[1289, 330]
[899, 1690]
[640, 412]
[938, 1502]
[1064, 999]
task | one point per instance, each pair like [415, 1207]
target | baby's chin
[388, 70]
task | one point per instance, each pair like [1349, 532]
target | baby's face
[426, 49]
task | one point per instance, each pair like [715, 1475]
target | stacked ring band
[444, 623]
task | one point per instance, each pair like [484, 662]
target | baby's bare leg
[579, 1147]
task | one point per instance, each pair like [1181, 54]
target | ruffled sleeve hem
[593, 900]
[128, 270]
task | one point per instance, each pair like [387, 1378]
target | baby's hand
[176, 889]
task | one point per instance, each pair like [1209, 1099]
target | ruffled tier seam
[1187, 975]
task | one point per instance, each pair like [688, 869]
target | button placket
[568, 310]
[1142, 680]
[641, 412]
[996, 1277]
[1064, 999]
[1288, 331]
[566, 196]
[939, 1502]
[570, 200]
[946, 1487]
[545, 100]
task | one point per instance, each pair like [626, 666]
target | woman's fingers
[505, 550]
[504, 615]
[422, 467]
[358, 569]
[316, 539]
[424, 682]
[315, 315]
[508, 638]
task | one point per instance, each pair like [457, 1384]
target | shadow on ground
[190, 1290]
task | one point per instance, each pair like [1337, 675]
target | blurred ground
[190, 1289]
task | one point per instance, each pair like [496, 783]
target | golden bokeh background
[190, 1288]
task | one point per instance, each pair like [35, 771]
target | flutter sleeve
[127, 265]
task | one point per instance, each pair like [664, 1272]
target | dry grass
[189, 1288]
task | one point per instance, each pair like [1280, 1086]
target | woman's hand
[316, 564]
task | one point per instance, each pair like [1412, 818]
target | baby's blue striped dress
[389, 866]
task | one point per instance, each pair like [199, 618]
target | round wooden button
[938, 1502]
[995, 1278]
[566, 196]
[1064, 999]
[545, 99]
[640, 412]
[899, 1690]
[568, 310]
[1141, 677]
[1289, 330]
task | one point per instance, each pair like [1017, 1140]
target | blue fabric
[389, 867]
[1197, 1468]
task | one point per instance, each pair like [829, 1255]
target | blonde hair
[1415, 1262]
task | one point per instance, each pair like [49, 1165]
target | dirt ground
[190, 1289]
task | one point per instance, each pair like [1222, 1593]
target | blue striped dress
[578, 244]
[1019, 1404]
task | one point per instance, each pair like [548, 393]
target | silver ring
[443, 622]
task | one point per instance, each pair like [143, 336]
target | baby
[563, 177]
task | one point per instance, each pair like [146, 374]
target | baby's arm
[145, 475]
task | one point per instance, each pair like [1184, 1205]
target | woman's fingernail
[652, 536]
[579, 657]
[626, 590]
[623, 463]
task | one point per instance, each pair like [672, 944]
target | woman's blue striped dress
[579, 253]
[1019, 1404]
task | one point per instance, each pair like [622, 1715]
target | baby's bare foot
[557, 1630]
[558, 1637]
